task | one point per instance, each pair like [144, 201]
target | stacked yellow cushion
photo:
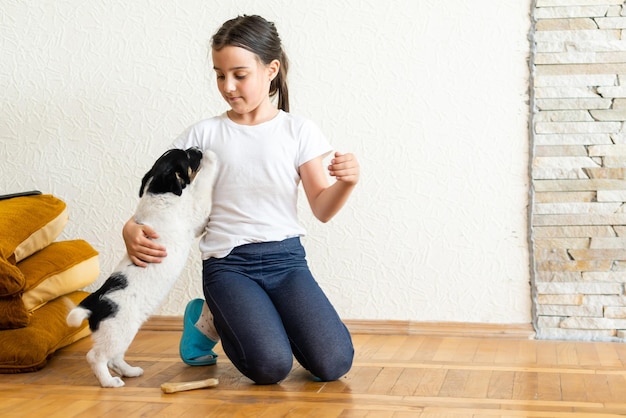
[39, 281]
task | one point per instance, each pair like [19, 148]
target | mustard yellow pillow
[28, 349]
[60, 268]
[30, 223]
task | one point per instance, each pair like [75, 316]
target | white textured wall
[431, 95]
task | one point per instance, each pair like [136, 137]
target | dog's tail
[77, 316]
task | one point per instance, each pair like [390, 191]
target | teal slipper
[196, 349]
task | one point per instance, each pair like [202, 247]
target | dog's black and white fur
[175, 200]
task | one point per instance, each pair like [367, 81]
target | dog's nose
[195, 151]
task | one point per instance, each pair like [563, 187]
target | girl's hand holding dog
[140, 246]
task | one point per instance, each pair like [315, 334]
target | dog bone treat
[173, 387]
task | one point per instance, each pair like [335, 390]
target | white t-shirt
[256, 190]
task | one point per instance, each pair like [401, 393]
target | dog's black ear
[144, 181]
[194, 156]
[179, 184]
[171, 181]
[182, 179]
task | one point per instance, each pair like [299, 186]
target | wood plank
[525, 385]
[527, 352]
[597, 388]
[447, 350]
[501, 385]
[408, 348]
[507, 352]
[566, 353]
[407, 382]
[361, 378]
[389, 347]
[617, 387]
[385, 380]
[549, 387]
[454, 383]
[486, 351]
[546, 352]
[477, 384]
[587, 354]
[608, 354]
[430, 382]
[427, 349]
[573, 387]
[466, 350]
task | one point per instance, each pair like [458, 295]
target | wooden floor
[393, 376]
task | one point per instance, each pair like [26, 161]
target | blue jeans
[268, 308]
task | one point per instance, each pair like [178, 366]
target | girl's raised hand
[345, 168]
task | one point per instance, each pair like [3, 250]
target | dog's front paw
[133, 372]
[122, 368]
[208, 158]
[113, 382]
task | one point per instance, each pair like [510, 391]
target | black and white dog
[175, 200]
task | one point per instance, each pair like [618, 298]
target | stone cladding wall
[578, 137]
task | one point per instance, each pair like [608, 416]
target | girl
[261, 298]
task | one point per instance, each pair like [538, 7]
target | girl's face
[244, 82]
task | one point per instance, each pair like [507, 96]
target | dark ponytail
[260, 37]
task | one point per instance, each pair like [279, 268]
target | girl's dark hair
[260, 37]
